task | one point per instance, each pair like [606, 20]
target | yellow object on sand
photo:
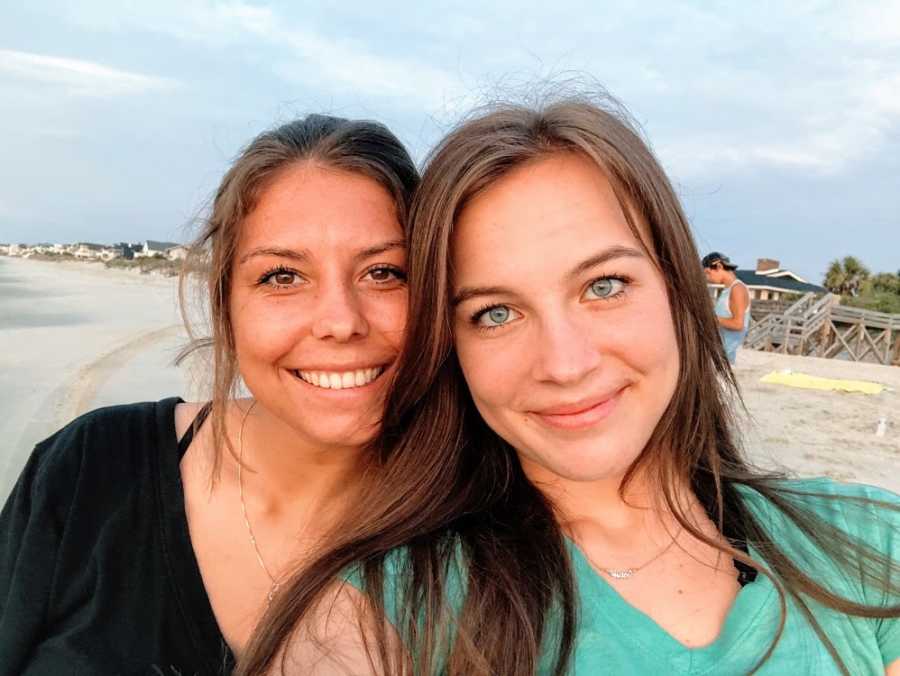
[804, 381]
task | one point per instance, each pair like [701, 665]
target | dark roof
[160, 246]
[751, 278]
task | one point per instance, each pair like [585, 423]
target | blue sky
[778, 122]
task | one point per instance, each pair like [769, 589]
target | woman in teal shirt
[563, 491]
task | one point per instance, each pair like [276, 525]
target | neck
[284, 472]
[601, 509]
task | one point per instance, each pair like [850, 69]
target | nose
[564, 353]
[338, 314]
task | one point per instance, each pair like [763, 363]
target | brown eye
[280, 278]
[284, 278]
[383, 275]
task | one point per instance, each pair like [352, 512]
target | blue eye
[493, 317]
[605, 288]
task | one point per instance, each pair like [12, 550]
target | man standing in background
[733, 305]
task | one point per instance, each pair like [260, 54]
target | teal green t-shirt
[613, 637]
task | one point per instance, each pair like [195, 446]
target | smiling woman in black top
[150, 538]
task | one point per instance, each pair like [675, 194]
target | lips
[579, 414]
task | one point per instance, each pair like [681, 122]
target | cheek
[265, 331]
[651, 346]
[492, 375]
[386, 315]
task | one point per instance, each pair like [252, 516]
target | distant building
[769, 281]
[153, 249]
[177, 253]
[125, 250]
[4, 249]
[88, 250]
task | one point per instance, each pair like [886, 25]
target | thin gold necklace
[275, 584]
[625, 573]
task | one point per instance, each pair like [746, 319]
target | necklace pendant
[622, 574]
[274, 590]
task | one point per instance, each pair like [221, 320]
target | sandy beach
[821, 433]
[75, 336]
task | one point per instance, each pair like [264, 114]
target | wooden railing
[819, 326]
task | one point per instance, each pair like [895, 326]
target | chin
[331, 428]
[358, 434]
[599, 461]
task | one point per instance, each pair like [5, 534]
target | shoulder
[104, 441]
[185, 414]
[867, 513]
[740, 291]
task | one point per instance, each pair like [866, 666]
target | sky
[778, 123]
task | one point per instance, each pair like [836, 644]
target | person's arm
[738, 303]
[30, 532]
[893, 669]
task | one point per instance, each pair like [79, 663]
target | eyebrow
[303, 254]
[379, 249]
[612, 253]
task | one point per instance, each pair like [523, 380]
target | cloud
[84, 78]
[822, 126]
[320, 57]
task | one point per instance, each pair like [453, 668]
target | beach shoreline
[75, 336]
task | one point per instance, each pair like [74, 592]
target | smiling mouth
[340, 380]
[581, 415]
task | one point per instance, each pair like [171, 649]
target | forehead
[305, 204]
[545, 213]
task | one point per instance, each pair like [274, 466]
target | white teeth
[331, 380]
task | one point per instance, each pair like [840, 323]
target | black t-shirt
[97, 572]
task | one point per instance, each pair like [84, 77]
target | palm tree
[846, 277]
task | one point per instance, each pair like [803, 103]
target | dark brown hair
[359, 146]
[445, 487]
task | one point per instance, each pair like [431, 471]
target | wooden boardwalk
[818, 326]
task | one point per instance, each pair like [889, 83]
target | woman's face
[562, 322]
[318, 301]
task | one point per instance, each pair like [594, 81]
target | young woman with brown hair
[139, 540]
[564, 489]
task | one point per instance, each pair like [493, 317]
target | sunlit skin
[586, 361]
[318, 286]
[566, 339]
[738, 301]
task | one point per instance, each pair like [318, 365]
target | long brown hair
[449, 491]
[360, 146]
